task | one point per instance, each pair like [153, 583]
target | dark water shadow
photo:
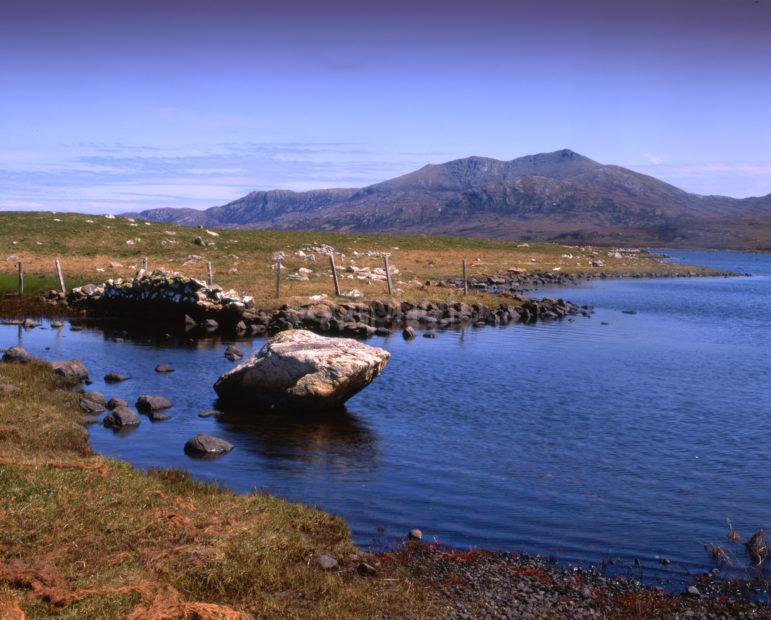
[333, 436]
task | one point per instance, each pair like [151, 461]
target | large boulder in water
[298, 368]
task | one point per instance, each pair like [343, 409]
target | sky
[114, 106]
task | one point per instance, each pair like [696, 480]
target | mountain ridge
[554, 196]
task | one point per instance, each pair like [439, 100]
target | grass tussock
[94, 248]
[84, 536]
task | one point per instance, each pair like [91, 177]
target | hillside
[559, 196]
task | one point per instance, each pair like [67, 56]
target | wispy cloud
[739, 179]
[98, 177]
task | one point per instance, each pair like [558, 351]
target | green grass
[242, 259]
[89, 537]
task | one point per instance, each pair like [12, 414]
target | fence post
[278, 277]
[465, 278]
[144, 264]
[61, 277]
[334, 274]
[209, 273]
[388, 275]
[21, 278]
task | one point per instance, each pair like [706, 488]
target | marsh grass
[90, 537]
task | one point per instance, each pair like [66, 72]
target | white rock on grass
[300, 369]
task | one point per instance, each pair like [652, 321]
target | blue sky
[117, 106]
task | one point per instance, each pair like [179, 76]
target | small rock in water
[429, 335]
[29, 324]
[207, 445]
[115, 377]
[209, 414]
[164, 368]
[408, 333]
[233, 354]
[97, 397]
[157, 416]
[147, 404]
[57, 324]
[415, 534]
[629, 311]
[327, 562]
[91, 407]
[120, 417]
[382, 331]
[115, 402]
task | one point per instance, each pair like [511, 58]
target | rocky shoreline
[174, 299]
[481, 584]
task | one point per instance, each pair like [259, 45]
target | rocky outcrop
[72, 370]
[161, 294]
[17, 355]
[299, 369]
[169, 297]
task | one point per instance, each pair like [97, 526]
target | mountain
[559, 196]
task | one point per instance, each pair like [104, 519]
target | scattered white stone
[89, 221]
[557, 269]
[100, 269]
[129, 242]
[212, 233]
[110, 216]
[353, 294]
[169, 232]
[131, 219]
[56, 219]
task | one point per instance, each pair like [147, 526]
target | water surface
[635, 439]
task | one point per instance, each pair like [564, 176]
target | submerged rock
[115, 377]
[163, 368]
[149, 404]
[116, 402]
[298, 368]
[233, 353]
[207, 445]
[120, 417]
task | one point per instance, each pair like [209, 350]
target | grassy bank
[89, 537]
[94, 248]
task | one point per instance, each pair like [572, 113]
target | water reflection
[337, 438]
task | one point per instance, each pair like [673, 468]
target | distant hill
[560, 196]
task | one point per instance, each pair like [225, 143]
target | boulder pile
[159, 293]
[173, 298]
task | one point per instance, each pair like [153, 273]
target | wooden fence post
[21, 278]
[144, 264]
[278, 277]
[334, 274]
[61, 277]
[465, 278]
[388, 275]
[209, 273]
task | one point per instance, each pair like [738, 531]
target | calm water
[635, 439]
